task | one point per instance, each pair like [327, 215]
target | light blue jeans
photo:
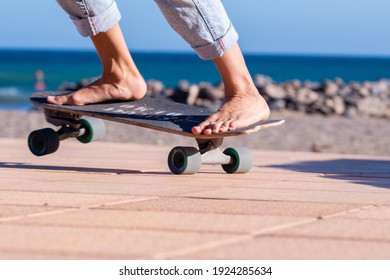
[204, 24]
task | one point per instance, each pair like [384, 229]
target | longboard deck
[150, 113]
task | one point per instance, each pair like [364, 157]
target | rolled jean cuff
[92, 25]
[219, 47]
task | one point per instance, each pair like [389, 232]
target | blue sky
[352, 27]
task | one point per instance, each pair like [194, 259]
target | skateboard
[86, 124]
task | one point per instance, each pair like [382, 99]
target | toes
[208, 128]
[58, 100]
[197, 130]
[233, 125]
[208, 131]
[224, 127]
[69, 99]
[77, 100]
[220, 127]
[216, 127]
[200, 129]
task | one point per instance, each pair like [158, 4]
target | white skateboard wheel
[93, 130]
[241, 160]
[184, 160]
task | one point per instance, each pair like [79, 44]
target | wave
[11, 91]
[14, 98]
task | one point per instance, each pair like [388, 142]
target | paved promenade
[119, 201]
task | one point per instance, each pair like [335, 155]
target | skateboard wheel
[241, 160]
[184, 160]
[43, 142]
[93, 130]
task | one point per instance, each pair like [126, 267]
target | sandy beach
[333, 134]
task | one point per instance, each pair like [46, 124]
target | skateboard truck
[70, 124]
[188, 160]
[211, 152]
[47, 141]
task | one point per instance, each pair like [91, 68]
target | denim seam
[216, 49]
[83, 6]
[219, 41]
[222, 44]
[209, 26]
[206, 21]
[92, 24]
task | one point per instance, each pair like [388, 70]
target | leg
[120, 79]
[243, 103]
[207, 28]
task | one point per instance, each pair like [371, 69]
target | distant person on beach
[205, 26]
[39, 80]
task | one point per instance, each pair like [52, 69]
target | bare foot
[120, 79]
[103, 90]
[244, 105]
[239, 111]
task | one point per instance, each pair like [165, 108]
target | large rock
[306, 96]
[154, 88]
[336, 104]
[261, 80]
[380, 88]
[370, 106]
[274, 92]
[193, 93]
[330, 88]
[181, 92]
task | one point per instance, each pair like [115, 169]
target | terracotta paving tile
[237, 207]
[342, 228]
[294, 248]
[59, 199]
[372, 213]
[8, 211]
[324, 183]
[162, 221]
[293, 195]
[99, 243]
[12, 254]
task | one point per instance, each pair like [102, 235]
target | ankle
[115, 72]
[241, 87]
[126, 78]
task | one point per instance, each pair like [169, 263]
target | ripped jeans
[203, 24]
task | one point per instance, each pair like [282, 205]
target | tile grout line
[227, 241]
[335, 215]
[254, 234]
[49, 213]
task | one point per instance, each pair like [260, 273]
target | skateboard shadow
[374, 173]
[13, 165]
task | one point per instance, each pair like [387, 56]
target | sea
[18, 68]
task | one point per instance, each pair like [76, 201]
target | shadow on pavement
[12, 165]
[359, 171]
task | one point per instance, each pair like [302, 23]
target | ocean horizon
[18, 67]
